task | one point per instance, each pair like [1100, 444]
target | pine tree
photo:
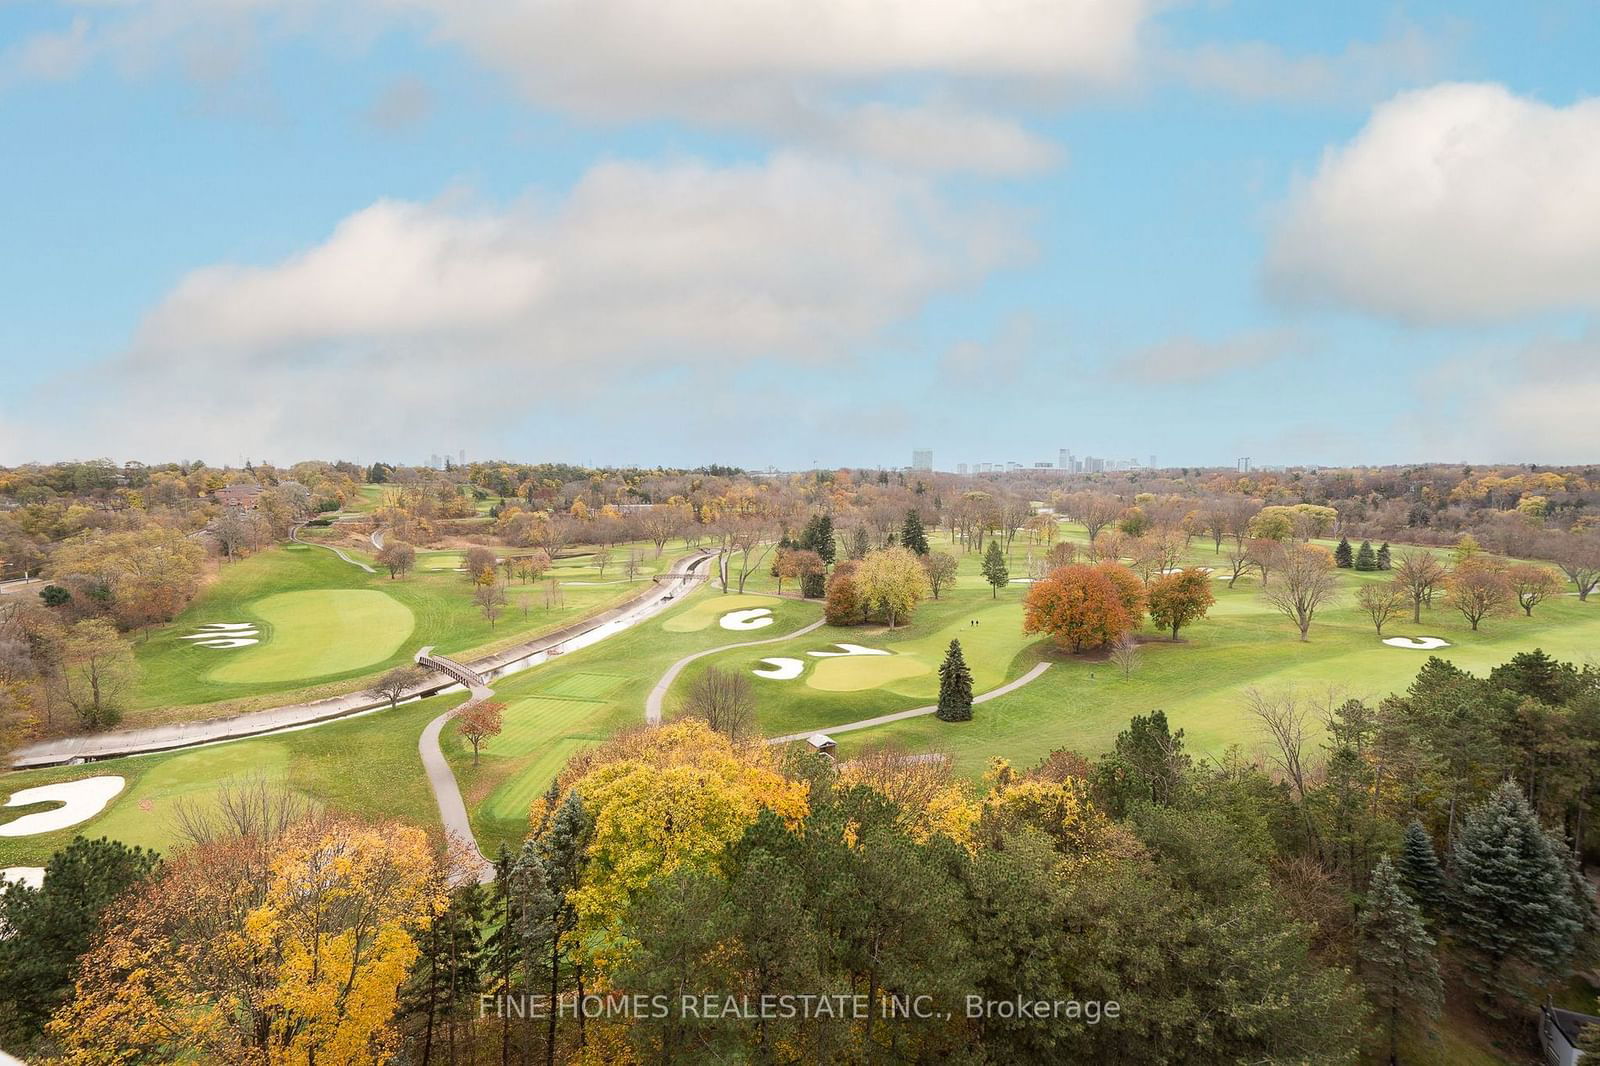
[994, 568]
[912, 535]
[825, 546]
[955, 686]
[1341, 554]
[1366, 559]
[1383, 556]
[860, 543]
[1419, 871]
[1397, 954]
[1512, 899]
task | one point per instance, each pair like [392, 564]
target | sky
[775, 233]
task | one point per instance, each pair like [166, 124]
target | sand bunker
[80, 800]
[1416, 643]
[781, 669]
[1181, 569]
[849, 649]
[32, 876]
[751, 618]
[225, 635]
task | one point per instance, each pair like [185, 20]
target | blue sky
[758, 232]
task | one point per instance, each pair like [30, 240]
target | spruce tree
[994, 567]
[1512, 904]
[1341, 554]
[955, 686]
[860, 543]
[1419, 871]
[1397, 955]
[1366, 558]
[912, 535]
[1383, 556]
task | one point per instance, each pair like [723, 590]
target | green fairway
[325, 626]
[365, 766]
[851, 673]
[315, 633]
[707, 612]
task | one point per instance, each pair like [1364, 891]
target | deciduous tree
[941, 568]
[1477, 589]
[1305, 582]
[892, 581]
[480, 722]
[1175, 600]
[98, 670]
[1382, 601]
[1420, 574]
[393, 685]
[1082, 606]
[397, 557]
[724, 699]
[1532, 584]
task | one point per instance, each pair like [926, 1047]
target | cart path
[294, 535]
[658, 695]
[915, 712]
[462, 846]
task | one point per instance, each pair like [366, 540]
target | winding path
[462, 844]
[658, 695]
[915, 712]
[294, 535]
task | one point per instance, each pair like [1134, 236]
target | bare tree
[724, 699]
[1305, 582]
[1284, 721]
[1419, 574]
[601, 559]
[1125, 654]
[748, 535]
[490, 599]
[1578, 555]
[1478, 589]
[941, 568]
[251, 807]
[631, 562]
[398, 557]
[1240, 562]
[552, 594]
[1095, 511]
[1381, 602]
[396, 683]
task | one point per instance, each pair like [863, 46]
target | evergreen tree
[825, 545]
[1366, 558]
[440, 996]
[1512, 898]
[46, 929]
[1419, 870]
[1397, 954]
[860, 543]
[1342, 555]
[955, 686]
[912, 535]
[1383, 556]
[994, 568]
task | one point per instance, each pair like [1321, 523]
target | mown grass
[332, 653]
[366, 766]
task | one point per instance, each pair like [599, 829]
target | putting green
[315, 633]
[706, 612]
[852, 673]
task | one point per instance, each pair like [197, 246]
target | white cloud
[48, 56]
[1461, 202]
[1187, 359]
[799, 72]
[431, 314]
[1361, 72]
[405, 103]
[1538, 402]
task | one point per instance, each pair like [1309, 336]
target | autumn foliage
[1181, 598]
[1085, 606]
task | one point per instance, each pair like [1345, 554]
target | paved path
[462, 846]
[682, 577]
[377, 540]
[915, 712]
[294, 535]
[658, 695]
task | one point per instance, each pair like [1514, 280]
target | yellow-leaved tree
[257, 949]
[661, 800]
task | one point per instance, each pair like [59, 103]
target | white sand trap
[1181, 569]
[1023, 580]
[225, 635]
[782, 669]
[80, 801]
[849, 649]
[1416, 643]
[751, 618]
[32, 876]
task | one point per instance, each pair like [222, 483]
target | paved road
[462, 845]
[294, 535]
[658, 695]
[679, 579]
[915, 712]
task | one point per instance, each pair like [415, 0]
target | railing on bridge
[464, 674]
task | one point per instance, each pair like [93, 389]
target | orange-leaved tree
[1084, 606]
[1181, 598]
